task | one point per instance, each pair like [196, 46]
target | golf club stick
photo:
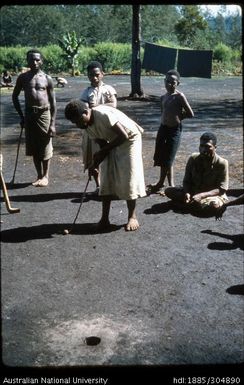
[17, 155]
[66, 231]
[11, 210]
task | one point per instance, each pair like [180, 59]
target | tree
[31, 25]
[191, 22]
[136, 89]
[70, 44]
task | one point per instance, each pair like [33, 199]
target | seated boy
[206, 178]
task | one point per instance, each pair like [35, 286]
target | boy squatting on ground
[97, 93]
[6, 79]
[174, 108]
[206, 179]
[40, 114]
[120, 156]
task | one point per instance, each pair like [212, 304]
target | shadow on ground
[24, 234]
[237, 241]
[236, 290]
[74, 196]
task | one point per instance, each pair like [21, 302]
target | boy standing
[120, 155]
[97, 93]
[174, 108]
[40, 114]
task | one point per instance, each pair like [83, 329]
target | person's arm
[112, 101]
[53, 108]
[187, 111]
[187, 181]
[101, 142]
[15, 98]
[221, 184]
[212, 193]
[235, 202]
[121, 137]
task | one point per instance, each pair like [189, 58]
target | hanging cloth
[194, 63]
[158, 58]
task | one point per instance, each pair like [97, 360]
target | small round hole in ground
[92, 340]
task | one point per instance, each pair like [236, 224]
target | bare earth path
[165, 299]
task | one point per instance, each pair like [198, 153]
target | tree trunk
[136, 90]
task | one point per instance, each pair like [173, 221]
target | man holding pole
[40, 114]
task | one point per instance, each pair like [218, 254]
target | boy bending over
[120, 156]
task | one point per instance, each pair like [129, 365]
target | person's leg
[106, 202]
[38, 165]
[173, 143]
[46, 167]
[170, 176]
[96, 177]
[44, 180]
[155, 188]
[132, 224]
[158, 160]
[175, 194]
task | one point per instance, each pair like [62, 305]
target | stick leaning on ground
[11, 210]
[17, 155]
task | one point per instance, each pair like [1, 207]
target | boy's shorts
[167, 144]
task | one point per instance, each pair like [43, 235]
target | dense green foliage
[39, 25]
[106, 32]
[114, 57]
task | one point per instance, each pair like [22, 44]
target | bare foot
[153, 189]
[132, 225]
[36, 183]
[43, 182]
[102, 225]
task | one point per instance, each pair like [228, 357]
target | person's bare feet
[43, 182]
[36, 183]
[132, 225]
[153, 188]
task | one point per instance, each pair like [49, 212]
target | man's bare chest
[36, 83]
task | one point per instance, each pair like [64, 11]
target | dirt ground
[166, 299]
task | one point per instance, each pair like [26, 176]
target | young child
[6, 79]
[174, 108]
[120, 156]
[40, 114]
[97, 93]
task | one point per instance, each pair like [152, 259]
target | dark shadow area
[235, 192]
[88, 197]
[220, 112]
[237, 289]
[15, 186]
[159, 208]
[162, 208]
[14, 141]
[145, 98]
[24, 234]
[45, 197]
[237, 241]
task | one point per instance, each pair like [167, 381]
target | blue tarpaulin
[194, 63]
[158, 58]
[189, 63]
